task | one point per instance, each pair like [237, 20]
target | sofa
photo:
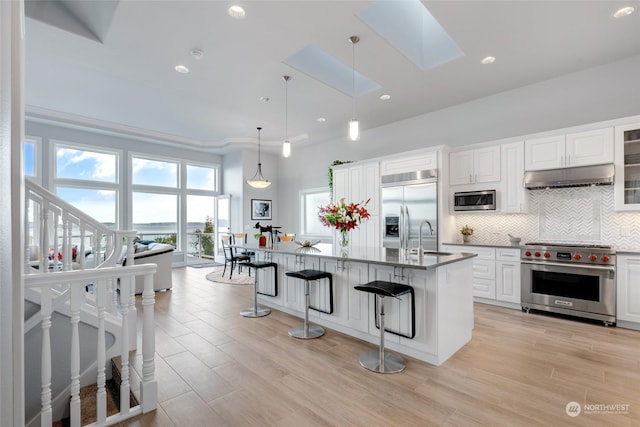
[160, 254]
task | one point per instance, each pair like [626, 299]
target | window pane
[29, 159]
[98, 204]
[201, 178]
[155, 216]
[311, 202]
[87, 165]
[154, 172]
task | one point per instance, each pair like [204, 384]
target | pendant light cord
[353, 80]
[259, 163]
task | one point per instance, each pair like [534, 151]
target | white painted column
[11, 212]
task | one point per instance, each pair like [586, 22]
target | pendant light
[354, 125]
[286, 145]
[259, 181]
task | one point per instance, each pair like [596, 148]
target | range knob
[604, 258]
[537, 254]
[593, 257]
[577, 257]
[547, 254]
[527, 253]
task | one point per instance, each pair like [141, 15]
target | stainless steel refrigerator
[409, 200]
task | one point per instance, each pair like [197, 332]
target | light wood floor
[216, 368]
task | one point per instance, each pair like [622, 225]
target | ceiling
[112, 62]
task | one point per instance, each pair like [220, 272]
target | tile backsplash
[576, 214]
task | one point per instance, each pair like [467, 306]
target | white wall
[601, 93]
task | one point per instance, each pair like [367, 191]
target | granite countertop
[490, 245]
[372, 255]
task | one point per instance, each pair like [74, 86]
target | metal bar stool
[307, 331]
[260, 311]
[380, 360]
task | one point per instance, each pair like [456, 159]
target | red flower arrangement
[343, 217]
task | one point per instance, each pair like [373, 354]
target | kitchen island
[442, 284]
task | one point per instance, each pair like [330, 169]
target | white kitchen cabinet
[397, 310]
[417, 162]
[484, 269]
[513, 194]
[350, 307]
[508, 275]
[628, 288]
[357, 183]
[267, 277]
[496, 274]
[627, 164]
[575, 149]
[474, 166]
[292, 288]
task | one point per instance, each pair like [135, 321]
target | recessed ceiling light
[181, 69]
[197, 53]
[265, 99]
[488, 60]
[625, 11]
[321, 120]
[236, 11]
[385, 97]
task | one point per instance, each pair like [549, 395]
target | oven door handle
[558, 264]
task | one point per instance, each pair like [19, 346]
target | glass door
[222, 219]
[627, 186]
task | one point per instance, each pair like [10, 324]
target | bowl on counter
[515, 241]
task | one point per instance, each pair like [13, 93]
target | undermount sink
[430, 253]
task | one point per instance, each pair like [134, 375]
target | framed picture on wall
[260, 209]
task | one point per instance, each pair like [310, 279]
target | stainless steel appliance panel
[474, 200]
[404, 208]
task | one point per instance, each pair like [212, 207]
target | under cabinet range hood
[570, 177]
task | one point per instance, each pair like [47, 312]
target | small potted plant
[466, 231]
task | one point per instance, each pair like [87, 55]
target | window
[32, 153]
[154, 172]
[88, 180]
[201, 178]
[155, 216]
[77, 164]
[310, 201]
[99, 204]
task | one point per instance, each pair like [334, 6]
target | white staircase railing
[75, 282]
[65, 251]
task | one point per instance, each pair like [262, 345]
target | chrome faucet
[420, 248]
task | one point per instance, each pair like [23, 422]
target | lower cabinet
[496, 273]
[628, 288]
[398, 310]
[350, 307]
[508, 278]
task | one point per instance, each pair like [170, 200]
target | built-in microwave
[474, 200]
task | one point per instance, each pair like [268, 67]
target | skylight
[409, 27]
[323, 67]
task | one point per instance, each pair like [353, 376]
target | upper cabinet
[574, 149]
[513, 195]
[356, 183]
[627, 156]
[474, 166]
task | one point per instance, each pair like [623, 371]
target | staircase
[78, 292]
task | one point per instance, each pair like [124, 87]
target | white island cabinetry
[442, 287]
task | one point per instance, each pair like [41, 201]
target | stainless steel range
[577, 280]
